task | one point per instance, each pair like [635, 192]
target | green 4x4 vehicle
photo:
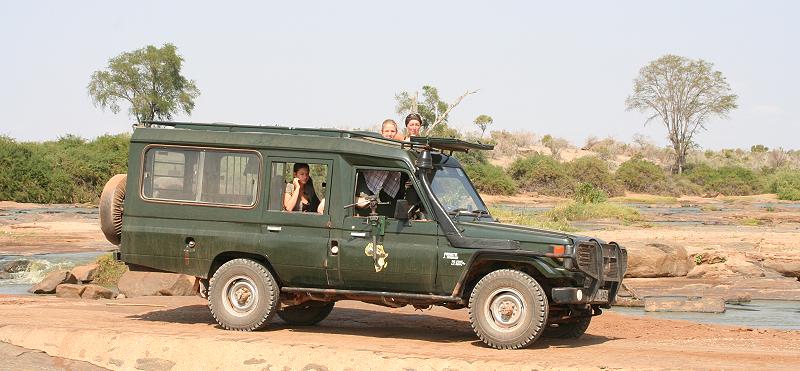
[387, 222]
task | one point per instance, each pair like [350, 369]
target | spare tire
[111, 208]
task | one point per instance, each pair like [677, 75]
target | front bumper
[604, 266]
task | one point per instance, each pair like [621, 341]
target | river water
[776, 314]
[38, 268]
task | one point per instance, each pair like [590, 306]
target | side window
[389, 186]
[298, 187]
[207, 176]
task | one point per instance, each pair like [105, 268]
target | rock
[627, 301]
[657, 260]
[48, 284]
[97, 292]
[5, 276]
[121, 296]
[14, 266]
[684, 304]
[748, 270]
[84, 273]
[69, 290]
[133, 284]
[708, 271]
[787, 269]
[737, 297]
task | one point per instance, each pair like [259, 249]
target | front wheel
[508, 309]
[243, 295]
[306, 314]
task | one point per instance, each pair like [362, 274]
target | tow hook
[596, 311]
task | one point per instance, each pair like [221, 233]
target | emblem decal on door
[383, 257]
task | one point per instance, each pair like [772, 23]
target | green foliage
[149, 79]
[109, 270]
[430, 107]
[594, 171]
[528, 220]
[785, 183]
[759, 148]
[573, 211]
[490, 179]
[542, 174]
[726, 180]
[639, 175]
[698, 259]
[69, 170]
[586, 193]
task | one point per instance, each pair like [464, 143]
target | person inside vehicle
[413, 125]
[389, 130]
[300, 194]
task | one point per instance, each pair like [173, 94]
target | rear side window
[207, 176]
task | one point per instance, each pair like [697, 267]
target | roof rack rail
[441, 144]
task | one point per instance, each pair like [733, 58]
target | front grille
[612, 260]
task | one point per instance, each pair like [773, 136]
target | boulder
[657, 260]
[97, 292]
[84, 273]
[133, 284]
[5, 276]
[684, 304]
[787, 269]
[69, 290]
[709, 271]
[48, 284]
[14, 266]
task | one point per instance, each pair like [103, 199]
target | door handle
[272, 228]
[358, 234]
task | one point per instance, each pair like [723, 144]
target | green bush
[594, 171]
[69, 170]
[542, 174]
[585, 193]
[109, 270]
[727, 180]
[786, 184]
[490, 179]
[642, 176]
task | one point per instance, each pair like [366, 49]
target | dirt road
[160, 333]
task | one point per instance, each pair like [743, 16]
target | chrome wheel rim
[505, 309]
[240, 295]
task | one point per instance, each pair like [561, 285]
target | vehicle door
[409, 264]
[296, 242]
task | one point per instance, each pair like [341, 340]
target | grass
[109, 270]
[573, 211]
[752, 222]
[528, 220]
[645, 199]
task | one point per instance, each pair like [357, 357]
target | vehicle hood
[495, 230]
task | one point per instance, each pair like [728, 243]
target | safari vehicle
[207, 200]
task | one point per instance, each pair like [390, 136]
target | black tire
[111, 201]
[243, 295]
[570, 330]
[494, 296]
[306, 314]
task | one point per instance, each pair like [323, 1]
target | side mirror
[401, 210]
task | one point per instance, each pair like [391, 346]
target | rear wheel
[508, 309]
[243, 295]
[306, 314]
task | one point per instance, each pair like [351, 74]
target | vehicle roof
[362, 143]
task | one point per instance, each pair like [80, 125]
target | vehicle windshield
[454, 191]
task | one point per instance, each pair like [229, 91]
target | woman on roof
[413, 125]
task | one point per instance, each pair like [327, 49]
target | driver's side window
[386, 187]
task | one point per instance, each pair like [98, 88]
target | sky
[559, 68]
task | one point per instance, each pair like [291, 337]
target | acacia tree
[434, 110]
[149, 79]
[483, 121]
[684, 94]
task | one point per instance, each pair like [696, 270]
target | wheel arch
[483, 263]
[227, 256]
